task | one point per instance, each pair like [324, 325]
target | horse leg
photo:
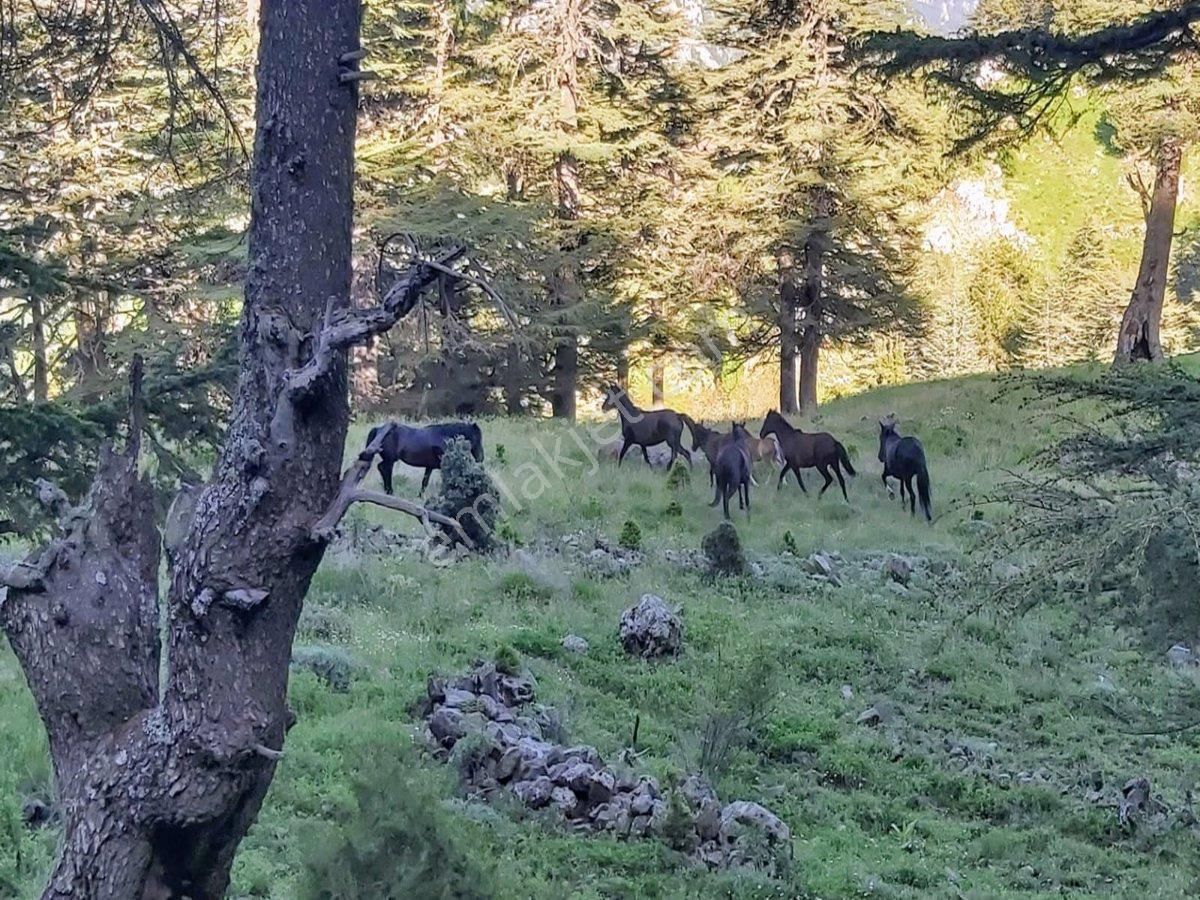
[824, 470]
[671, 461]
[799, 480]
[783, 474]
[716, 495]
[624, 449]
[912, 496]
[712, 476]
[385, 472]
[746, 488]
[645, 453]
[837, 470]
[725, 500]
[887, 487]
[687, 454]
[425, 481]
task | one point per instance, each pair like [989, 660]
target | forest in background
[644, 185]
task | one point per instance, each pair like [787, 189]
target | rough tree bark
[1138, 337]
[41, 363]
[159, 783]
[569, 26]
[811, 333]
[787, 332]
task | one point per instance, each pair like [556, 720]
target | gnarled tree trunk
[159, 783]
[1138, 338]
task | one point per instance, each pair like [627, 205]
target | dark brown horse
[646, 427]
[804, 450]
[903, 458]
[732, 470]
[709, 441]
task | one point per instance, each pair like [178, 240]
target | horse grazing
[422, 447]
[709, 441]
[733, 470]
[646, 427]
[903, 458]
[807, 450]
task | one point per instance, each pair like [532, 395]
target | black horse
[903, 458]
[733, 470]
[646, 427]
[422, 447]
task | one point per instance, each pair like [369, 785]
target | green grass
[888, 811]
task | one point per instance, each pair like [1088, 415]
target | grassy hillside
[976, 784]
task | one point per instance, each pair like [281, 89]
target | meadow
[993, 772]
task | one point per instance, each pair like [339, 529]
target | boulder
[447, 725]
[742, 817]
[898, 569]
[819, 564]
[572, 774]
[564, 800]
[601, 786]
[573, 643]
[535, 793]
[651, 629]
[458, 699]
[1179, 655]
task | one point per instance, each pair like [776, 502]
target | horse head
[887, 431]
[739, 432]
[612, 396]
[769, 423]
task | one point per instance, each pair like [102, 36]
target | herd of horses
[731, 456]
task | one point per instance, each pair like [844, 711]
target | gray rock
[898, 589]
[898, 569]
[613, 816]
[573, 774]
[573, 643]
[447, 725]
[742, 816]
[583, 753]
[651, 629]
[564, 800]
[457, 699]
[847, 692]
[819, 564]
[535, 793]
[601, 786]
[870, 716]
[1179, 655]
[641, 804]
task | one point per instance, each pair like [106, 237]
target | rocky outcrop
[488, 724]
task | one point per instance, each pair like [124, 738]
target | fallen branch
[350, 493]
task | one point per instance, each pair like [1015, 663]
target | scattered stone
[488, 724]
[1136, 794]
[898, 569]
[898, 589]
[651, 629]
[847, 692]
[35, 813]
[1180, 656]
[1005, 571]
[870, 717]
[573, 643]
[819, 564]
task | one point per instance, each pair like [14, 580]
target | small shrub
[521, 586]
[507, 660]
[680, 478]
[508, 534]
[673, 509]
[330, 664]
[324, 623]
[743, 704]
[467, 495]
[789, 543]
[401, 843]
[591, 508]
[724, 551]
[631, 535]
[536, 643]
[679, 827]
[501, 454]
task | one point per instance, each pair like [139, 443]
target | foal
[709, 441]
[733, 470]
[803, 450]
[646, 427]
[903, 458]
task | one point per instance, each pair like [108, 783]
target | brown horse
[646, 427]
[803, 450]
[733, 470]
[709, 441]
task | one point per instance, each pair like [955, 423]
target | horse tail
[371, 434]
[476, 441]
[691, 426]
[844, 457]
[923, 488]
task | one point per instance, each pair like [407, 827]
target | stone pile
[487, 722]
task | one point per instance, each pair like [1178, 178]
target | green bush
[507, 660]
[789, 543]
[402, 843]
[324, 623]
[673, 509]
[521, 586]
[680, 478]
[330, 664]
[631, 535]
[467, 495]
[724, 550]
